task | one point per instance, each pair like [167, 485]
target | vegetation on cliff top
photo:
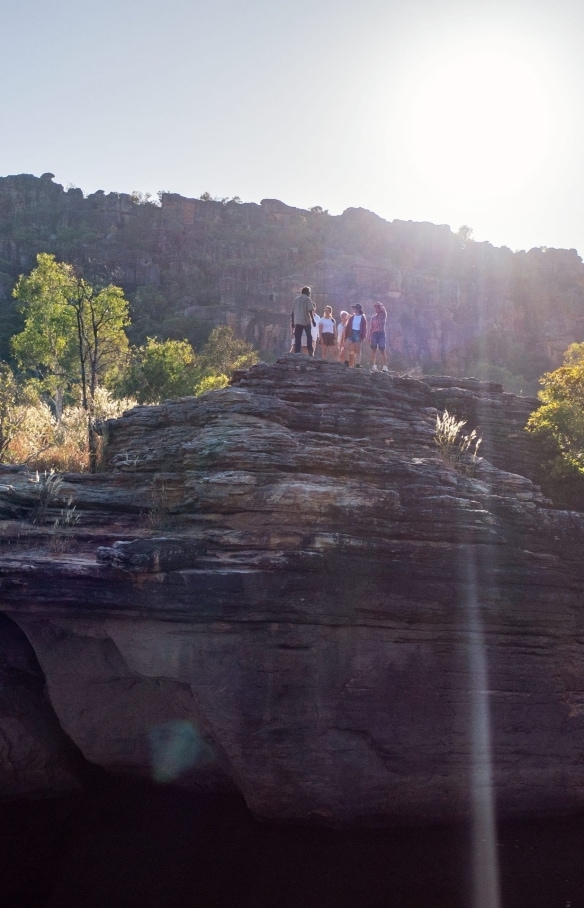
[76, 367]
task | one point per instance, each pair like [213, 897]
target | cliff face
[283, 588]
[189, 264]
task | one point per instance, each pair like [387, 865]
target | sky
[458, 113]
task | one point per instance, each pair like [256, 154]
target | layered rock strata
[285, 588]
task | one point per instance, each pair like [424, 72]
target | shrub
[456, 449]
[45, 444]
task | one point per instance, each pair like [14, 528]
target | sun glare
[479, 124]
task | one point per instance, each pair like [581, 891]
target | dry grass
[44, 445]
[457, 449]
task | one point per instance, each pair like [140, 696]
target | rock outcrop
[282, 587]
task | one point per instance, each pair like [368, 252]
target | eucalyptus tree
[74, 334]
[46, 347]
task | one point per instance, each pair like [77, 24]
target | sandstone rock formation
[283, 588]
[36, 757]
[189, 264]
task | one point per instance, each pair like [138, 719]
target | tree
[559, 420]
[74, 334]
[100, 318]
[465, 234]
[171, 368]
[224, 352]
[46, 346]
[207, 197]
[159, 370]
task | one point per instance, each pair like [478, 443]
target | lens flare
[175, 747]
[486, 892]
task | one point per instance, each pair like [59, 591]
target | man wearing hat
[355, 334]
[377, 337]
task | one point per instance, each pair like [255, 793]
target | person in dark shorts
[377, 337]
[355, 334]
[327, 328]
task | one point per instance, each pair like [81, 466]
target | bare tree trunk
[58, 401]
[92, 443]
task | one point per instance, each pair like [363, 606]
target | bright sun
[479, 124]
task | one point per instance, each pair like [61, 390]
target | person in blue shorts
[377, 337]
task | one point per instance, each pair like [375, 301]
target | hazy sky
[425, 110]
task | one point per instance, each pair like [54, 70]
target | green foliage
[47, 344]
[211, 383]
[144, 198]
[224, 352]
[207, 197]
[73, 334]
[184, 327]
[168, 369]
[159, 370]
[101, 317]
[559, 420]
[518, 361]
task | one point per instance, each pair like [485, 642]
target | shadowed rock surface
[282, 588]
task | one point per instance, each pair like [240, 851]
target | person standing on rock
[302, 320]
[341, 336]
[377, 337]
[355, 334]
[327, 328]
[315, 331]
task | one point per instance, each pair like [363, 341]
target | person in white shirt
[341, 335]
[327, 328]
[315, 331]
[355, 334]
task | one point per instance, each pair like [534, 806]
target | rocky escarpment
[189, 264]
[282, 587]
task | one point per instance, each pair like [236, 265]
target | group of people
[342, 341]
